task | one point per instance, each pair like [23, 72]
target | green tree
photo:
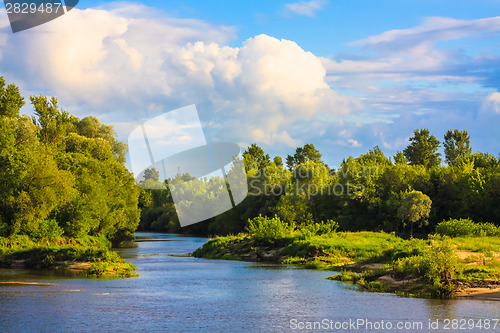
[456, 145]
[11, 100]
[255, 158]
[90, 127]
[278, 161]
[422, 149]
[302, 155]
[52, 122]
[400, 158]
[414, 208]
[152, 174]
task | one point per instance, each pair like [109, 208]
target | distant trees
[368, 192]
[422, 149]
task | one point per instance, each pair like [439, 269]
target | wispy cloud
[308, 8]
[415, 68]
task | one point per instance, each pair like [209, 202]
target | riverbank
[439, 267]
[87, 257]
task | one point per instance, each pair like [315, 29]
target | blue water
[178, 293]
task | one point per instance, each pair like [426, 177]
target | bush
[323, 228]
[47, 228]
[269, 228]
[466, 227]
[441, 264]
[409, 266]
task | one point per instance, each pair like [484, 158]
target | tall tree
[303, 154]
[255, 158]
[422, 149]
[11, 100]
[456, 145]
[278, 161]
[400, 158]
[152, 174]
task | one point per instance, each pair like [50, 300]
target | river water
[178, 293]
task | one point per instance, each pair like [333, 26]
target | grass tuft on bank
[88, 256]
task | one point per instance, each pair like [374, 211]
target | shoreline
[371, 275]
[90, 257]
[85, 269]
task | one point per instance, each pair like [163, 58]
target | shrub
[323, 228]
[262, 227]
[466, 227]
[441, 264]
[47, 228]
[409, 266]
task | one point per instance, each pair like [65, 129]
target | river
[178, 293]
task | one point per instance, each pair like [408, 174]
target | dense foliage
[61, 175]
[466, 228]
[409, 193]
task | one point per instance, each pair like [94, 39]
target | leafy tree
[90, 127]
[60, 174]
[456, 145]
[255, 158]
[278, 161]
[303, 154]
[400, 158]
[422, 149]
[415, 207]
[152, 174]
[32, 184]
[52, 122]
[11, 100]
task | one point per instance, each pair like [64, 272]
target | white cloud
[354, 143]
[492, 102]
[308, 8]
[123, 63]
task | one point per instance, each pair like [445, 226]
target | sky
[343, 75]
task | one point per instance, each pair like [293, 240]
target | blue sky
[343, 75]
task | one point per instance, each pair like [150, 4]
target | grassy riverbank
[88, 256]
[436, 267]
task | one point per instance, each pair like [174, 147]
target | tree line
[409, 192]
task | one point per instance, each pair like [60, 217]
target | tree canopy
[422, 149]
[456, 145]
[61, 171]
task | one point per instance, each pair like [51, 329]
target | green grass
[477, 244]
[59, 253]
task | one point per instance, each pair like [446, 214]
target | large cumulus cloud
[125, 63]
